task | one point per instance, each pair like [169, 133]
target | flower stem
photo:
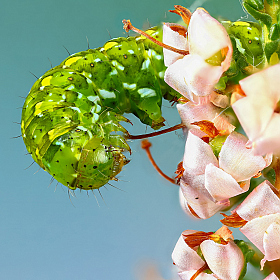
[145, 144]
[128, 26]
[204, 267]
[156, 133]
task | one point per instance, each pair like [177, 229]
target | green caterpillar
[70, 119]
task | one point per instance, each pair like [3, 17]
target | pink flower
[210, 51]
[225, 260]
[262, 211]
[258, 112]
[208, 182]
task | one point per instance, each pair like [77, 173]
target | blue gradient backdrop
[45, 235]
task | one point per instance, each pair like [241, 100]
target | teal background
[44, 232]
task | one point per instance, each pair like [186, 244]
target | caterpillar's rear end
[71, 117]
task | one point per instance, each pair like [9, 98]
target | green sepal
[271, 47]
[199, 252]
[247, 252]
[252, 10]
[269, 174]
[217, 143]
[222, 83]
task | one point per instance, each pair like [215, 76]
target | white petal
[239, 161]
[220, 184]
[254, 230]
[253, 113]
[200, 76]
[263, 84]
[198, 155]
[191, 112]
[175, 77]
[271, 242]
[226, 261]
[184, 205]
[173, 39]
[200, 203]
[207, 36]
[260, 202]
[186, 258]
[192, 75]
[269, 141]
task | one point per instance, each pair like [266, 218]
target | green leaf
[263, 17]
[256, 4]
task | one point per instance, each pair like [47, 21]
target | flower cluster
[227, 74]
[219, 162]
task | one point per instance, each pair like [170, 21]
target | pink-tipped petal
[207, 36]
[192, 75]
[184, 205]
[271, 242]
[255, 229]
[201, 204]
[239, 161]
[175, 77]
[263, 84]
[186, 258]
[269, 141]
[226, 261]
[220, 184]
[198, 155]
[192, 112]
[200, 76]
[174, 39]
[260, 202]
[271, 276]
[254, 114]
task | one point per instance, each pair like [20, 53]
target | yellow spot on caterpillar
[46, 81]
[243, 23]
[72, 60]
[109, 45]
